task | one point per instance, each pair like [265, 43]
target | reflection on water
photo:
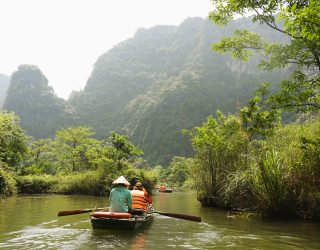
[31, 222]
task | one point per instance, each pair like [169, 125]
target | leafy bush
[36, 184]
[7, 182]
[13, 146]
[148, 178]
[88, 183]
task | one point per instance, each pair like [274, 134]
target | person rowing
[120, 197]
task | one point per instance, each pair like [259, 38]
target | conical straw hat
[121, 180]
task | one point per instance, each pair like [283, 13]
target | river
[31, 222]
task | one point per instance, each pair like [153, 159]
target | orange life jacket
[139, 201]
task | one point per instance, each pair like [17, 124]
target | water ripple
[46, 238]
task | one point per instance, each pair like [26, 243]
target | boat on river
[167, 190]
[164, 188]
[126, 221]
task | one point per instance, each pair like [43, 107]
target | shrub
[148, 178]
[88, 183]
[7, 182]
[36, 184]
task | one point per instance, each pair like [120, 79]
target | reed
[272, 189]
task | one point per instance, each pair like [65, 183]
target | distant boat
[164, 189]
[168, 190]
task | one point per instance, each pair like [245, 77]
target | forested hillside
[4, 83]
[149, 87]
[34, 101]
[166, 79]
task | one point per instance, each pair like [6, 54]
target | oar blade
[73, 212]
[180, 216]
[80, 211]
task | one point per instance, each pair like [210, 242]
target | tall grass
[237, 190]
[36, 184]
[87, 183]
[83, 183]
[272, 188]
[7, 183]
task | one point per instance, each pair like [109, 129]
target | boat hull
[165, 191]
[124, 224]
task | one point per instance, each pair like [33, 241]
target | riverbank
[87, 183]
[97, 183]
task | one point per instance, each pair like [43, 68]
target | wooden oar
[180, 216]
[79, 211]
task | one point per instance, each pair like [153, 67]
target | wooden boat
[164, 189]
[167, 190]
[127, 221]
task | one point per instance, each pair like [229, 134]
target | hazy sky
[64, 38]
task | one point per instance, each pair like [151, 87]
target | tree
[301, 54]
[219, 145]
[179, 168]
[257, 120]
[71, 146]
[123, 149]
[13, 140]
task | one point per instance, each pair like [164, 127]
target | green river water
[31, 222]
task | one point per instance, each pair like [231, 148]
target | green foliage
[41, 158]
[219, 146]
[147, 177]
[301, 53]
[13, 140]
[287, 177]
[257, 120]
[7, 181]
[75, 163]
[237, 190]
[299, 93]
[283, 175]
[162, 81]
[36, 184]
[271, 189]
[301, 19]
[86, 183]
[298, 147]
[71, 147]
[240, 45]
[123, 149]
[177, 173]
[224, 11]
[74, 150]
[311, 153]
[277, 175]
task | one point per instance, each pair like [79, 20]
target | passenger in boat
[120, 196]
[163, 187]
[140, 187]
[139, 199]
